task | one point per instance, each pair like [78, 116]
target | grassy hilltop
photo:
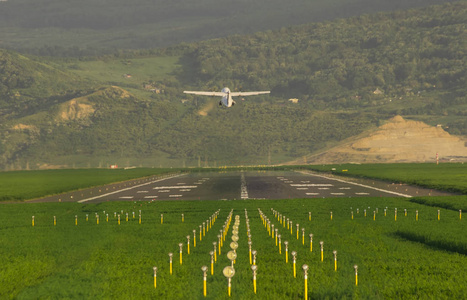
[349, 75]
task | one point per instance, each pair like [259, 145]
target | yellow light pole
[183, 218]
[229, 272]
[335, 259]
[309, 216]
[288, 224]
[311, 242]
[358, 211]
[416, 215]
[385, 212]
[215, 250]
[188, 244]
[97, 219]
[286, 243]
[155, 276]
[200, 233]
[133, 214]
[405, 212]
[55, 220]
[194, 238]
[303, 236]
[305, 271]
[162, 218]
[374, 215]
[204, 228]
[280, 251]
[438, 214]
[107, 218]
[298, 229]
[276, 235]
[170, 261]
[294, 260]
[331, 215]
[291, 228]
[249, 251]
[356, 274]
[32, 221]
[254, 256]
[181, 247]
[76, 220]
[321, 244]
[352, 214]
[395, 214]
[460, 214]
[87, 217]
[204, 269]
[272, 230]
[118, 219]
[219, 243]
[126, 218]
[364, 212]
[254, 268]
[212, 261]
[283, 221]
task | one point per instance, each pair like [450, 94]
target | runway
[241, 186]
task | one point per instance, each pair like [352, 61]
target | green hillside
[88, 27]
[348, 75]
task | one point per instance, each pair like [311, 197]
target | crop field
[445, 176]
[409, 255]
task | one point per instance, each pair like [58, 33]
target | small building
[378, 92]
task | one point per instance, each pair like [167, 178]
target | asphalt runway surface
[241, 185]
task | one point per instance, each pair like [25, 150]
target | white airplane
[226, 95]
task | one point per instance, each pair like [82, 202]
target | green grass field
[403, 257]
[23, 185]
[396, 259]
[445, 176]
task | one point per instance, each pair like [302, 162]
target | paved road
[241, 185]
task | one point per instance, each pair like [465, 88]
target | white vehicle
[226, 95]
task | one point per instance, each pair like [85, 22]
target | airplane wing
[248, 93]
[205, 93]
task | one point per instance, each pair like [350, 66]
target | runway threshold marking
[358, 184]
[128, 188]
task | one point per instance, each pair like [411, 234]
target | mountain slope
[398, 140]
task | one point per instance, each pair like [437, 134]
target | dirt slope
[398, 140]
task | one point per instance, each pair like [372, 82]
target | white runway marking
[362, 193]
[302, 189]
[128, 188]
[175, 187]
[323, 188]
[139, 192]
[358, 184]
[164, 191]
[338, 194]
[243, 189]
[344, 188]
[312, 194]
[312, 184]
[150, 197]
[185, 190]
[126, 197]
[175, 196]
